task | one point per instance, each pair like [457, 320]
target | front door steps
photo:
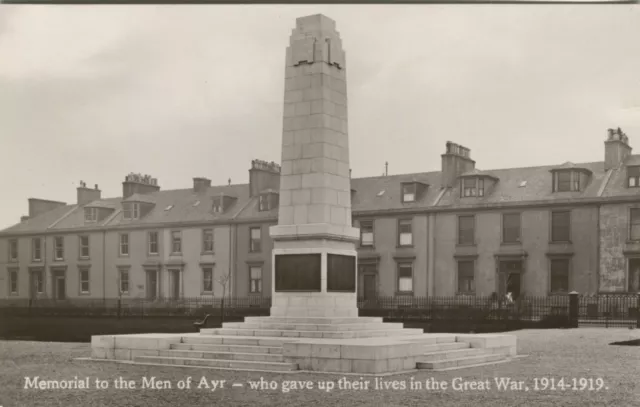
[339, 345]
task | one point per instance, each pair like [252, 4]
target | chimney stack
[24, 219]
[616, 148]
[40, 206]
[139, 184]
[87, 195]
[263, 175]
[455, 162]
[201, 184]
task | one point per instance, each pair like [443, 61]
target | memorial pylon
[314, 256]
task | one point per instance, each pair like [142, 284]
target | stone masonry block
[313, 180]
[289, 109]
[302, 166]
[314, 150]
[138, 352]
[487, 341]
[301, 196]
[316, 94]
[294, 96]
[340, 111]
[336, 124]
[302, 109]
[103, 341]
[323, 196]
[300, 214]
[291, 152]
[337, 97]
[285, 215]
[319, 214]
[290, 182]
[323, 106]
[286, 167]
[102, 353]
[369, 366]
[361, 352]
[342, 169]
[324, 164]
[325, 351]
[123, 354]
[302, 136]
[287, 138]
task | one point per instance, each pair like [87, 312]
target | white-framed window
[38, 281]
[255, 243]
[90, 214]
[13, 250]
[255, 279]
[84, 247]
[405, 277]
[153, 242]
[124, 244]
[13, 281]
[559, 278]
[36, 249]
[466, 276]
[58, 247]
[405, 232]
[124, 281]
[409, 192]
[131, 210]
[207, 279]
[207, 241]
[176, 242]
[84, 280]
[633, 175]
[366, 233]
[511, 228]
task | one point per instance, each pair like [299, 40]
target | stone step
[313, 334]
[445, 346]
[276, 326]
[314, 320]
[252, 357]
[227, 348]
[453, 354]
[467, 361]
[233, 340]
[215, 363]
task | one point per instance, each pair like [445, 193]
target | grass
[555, 354]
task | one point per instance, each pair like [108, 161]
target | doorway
[369, 288]
[174, 284]
[509, 278]
[152, 284]
[60, 288]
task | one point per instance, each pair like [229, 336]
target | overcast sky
[94, 92]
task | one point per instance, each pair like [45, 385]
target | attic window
[90, 214]
[409, 192]
[218, 205]
[523, 184]
[471, 187]
[381, 193]
[267, 202]
[633, 175]
[168, 208]
[196, 203]
[131, 210]
[566, 181]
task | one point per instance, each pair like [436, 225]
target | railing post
[573, 309]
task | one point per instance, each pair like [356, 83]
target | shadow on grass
[633, 342]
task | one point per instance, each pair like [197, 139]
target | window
[480, 187]
[255, 285]
[131, 210]
[633, 174]
[634, 276]
[176, 242]
[13, 281]
[13, 250]
[84, 281]
[124, 281]
[366, 233]
[153, 242]
[264, 203]
[124, 244]
[472, 187]
[91, 214]
[405, 235]
[38, 281]
[565, 181]
[466, 229]
[559, 275]
[255, 245]
[466, 281]
[36, 249]
[405, 277]
[84, 247]
[408, 192]
[218, 205]
[207, 241]
[207, 279]
[561, 226]
[634, 224]
[511, 228]
[58, 247]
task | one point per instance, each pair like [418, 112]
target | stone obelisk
[314, 256]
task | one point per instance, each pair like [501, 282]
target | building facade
[459, 231]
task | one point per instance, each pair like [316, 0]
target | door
[152, 284]
[60, 288]
[509, 279]
[175, 284]
[369, 286]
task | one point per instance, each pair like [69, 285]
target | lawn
[577, 353]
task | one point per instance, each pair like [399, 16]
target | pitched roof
[41, 222]
[75, 220]
[385, 192]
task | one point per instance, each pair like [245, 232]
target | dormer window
[218, 205]
[131, 210]
[633, 175]
[90, 214]
[408, 193]
[566, 181]
[472, 187]
[267, 201]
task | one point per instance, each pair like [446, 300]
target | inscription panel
[341, 273]
[298, 272]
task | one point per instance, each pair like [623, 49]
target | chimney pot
[616, 148]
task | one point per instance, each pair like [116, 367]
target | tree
[223, 280]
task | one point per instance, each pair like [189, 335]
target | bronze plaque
[298, 272]
[341, 273]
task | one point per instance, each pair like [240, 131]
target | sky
[93, 93]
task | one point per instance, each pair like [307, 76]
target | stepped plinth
[314, 323]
